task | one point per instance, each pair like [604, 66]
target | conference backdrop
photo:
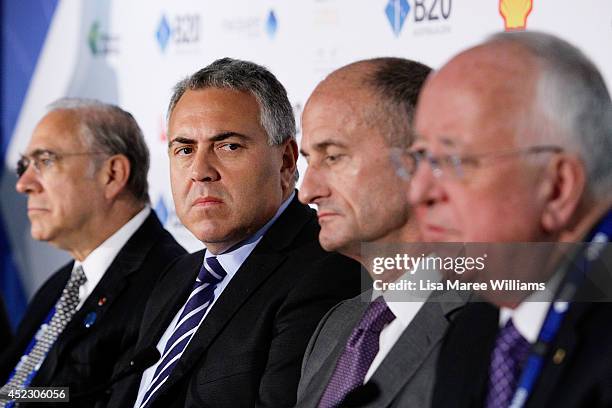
[131, 53]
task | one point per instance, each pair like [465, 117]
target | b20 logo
[424, 10]
[432, 10]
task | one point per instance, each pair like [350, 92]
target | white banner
[131, 53]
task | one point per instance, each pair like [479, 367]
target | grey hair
[111, 130]
[276, 113]
[571, 95]
[397, 83]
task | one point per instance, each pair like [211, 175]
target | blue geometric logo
[271, 24]
[397, 11]
[161, 210]
[163, 33]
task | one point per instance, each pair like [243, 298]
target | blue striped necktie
[202, 295]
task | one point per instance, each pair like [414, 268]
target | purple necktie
[201, 297]
[358, 354]
[510, 352]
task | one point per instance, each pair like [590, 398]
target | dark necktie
[201, 297]
[359, 352]
[510, 352]
[48, 333]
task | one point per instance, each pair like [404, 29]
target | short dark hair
[397, 82]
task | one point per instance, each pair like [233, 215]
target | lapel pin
[559, 356]
[102, 301]
[90, 319]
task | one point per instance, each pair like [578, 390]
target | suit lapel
[566, 341]
[591, 291]
[244, 284]
[551, 372]
[463, 365]
[320, 378]
[263, 262]
[414, 346]
[127, 261]
[168, 297]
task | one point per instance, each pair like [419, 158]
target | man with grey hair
[513, 145]
[232, 321]
[85, 175]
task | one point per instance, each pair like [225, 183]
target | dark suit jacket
[405, 377]
[248, 350]
[582, 378]
[6, 333]
[82, 357]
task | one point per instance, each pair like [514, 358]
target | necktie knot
[70, 294]
[376, 316]
[511, 339]
[211, 272]
[78, 276]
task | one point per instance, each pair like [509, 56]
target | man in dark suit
[85, 175]
[513, 146]
[356, 128]
[232, 322]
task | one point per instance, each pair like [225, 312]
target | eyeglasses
[458, 167]
[44, 160]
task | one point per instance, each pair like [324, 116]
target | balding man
[85, 174]
[356, 125]
[513, 144]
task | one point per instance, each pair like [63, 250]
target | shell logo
[515, 13]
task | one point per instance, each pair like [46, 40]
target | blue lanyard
[597, 240]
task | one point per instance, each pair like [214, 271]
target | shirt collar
[528, 317]
[407, 308]
[405, 311]
[98, 261]
[232, 259]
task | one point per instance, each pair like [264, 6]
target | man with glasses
[85, 175]
[513, 146]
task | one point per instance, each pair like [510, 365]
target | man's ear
[566, 179]
[115, 173]
[289, 163]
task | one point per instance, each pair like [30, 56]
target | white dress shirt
[98, 261]
[231, 261]
[528, 317]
